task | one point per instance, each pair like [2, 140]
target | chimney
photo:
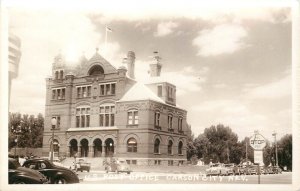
[155, 67]
[130, 63]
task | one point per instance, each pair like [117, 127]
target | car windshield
[13, 164]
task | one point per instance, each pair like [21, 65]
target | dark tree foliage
[285, 151]
[219, 144]
[27, 130]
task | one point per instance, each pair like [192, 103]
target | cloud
[222, 39]
[272, 90]
[165, 28]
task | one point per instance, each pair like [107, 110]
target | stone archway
[97, 147]
[84, 149]
[109, 147]
[73, 147]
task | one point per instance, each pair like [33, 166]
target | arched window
[156, 146]
[107, 115]
[96, 70]
[180, 144]
[170, 144]
[132, 145]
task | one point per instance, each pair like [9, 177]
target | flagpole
[105, 43]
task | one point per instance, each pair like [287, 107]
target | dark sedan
[21, 175]
[55, 174]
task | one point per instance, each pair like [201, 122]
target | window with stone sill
[58, 93]
[82, 117]
[84, 91]
[157, 119]
[57, 125]
[107, 89]
[156, 146]
[180, 145]
[133, 117]
[170, 145]
[107, 115]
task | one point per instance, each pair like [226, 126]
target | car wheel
[60, 180]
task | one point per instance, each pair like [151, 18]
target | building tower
[130, 64]
[155, 67]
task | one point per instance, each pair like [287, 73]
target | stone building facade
[102, 111]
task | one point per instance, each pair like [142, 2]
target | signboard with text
[258, 156]
[257, 141]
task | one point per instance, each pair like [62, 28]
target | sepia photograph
[145, 95]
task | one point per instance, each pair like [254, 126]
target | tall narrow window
[180, 124]
[61, 74]
[131, 145]
[84, 91]
[170, 144]
[157, 118]
[54, 94]
[107, 115]
[170, 122]
[180, 144]
[156, 146]
[113, 89]
[133, 118]
[63, 93]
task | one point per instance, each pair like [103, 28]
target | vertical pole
[51, 156]
[258, 171]
[105, 43]
[276, 151]
[247, 151]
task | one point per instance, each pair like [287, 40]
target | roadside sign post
[258, 142]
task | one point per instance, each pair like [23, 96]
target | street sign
[257, 141]
[258, 157]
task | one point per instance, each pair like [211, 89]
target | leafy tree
[267, 154]
[28, 130]
[285, 151]
[217, 143]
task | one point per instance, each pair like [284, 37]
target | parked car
[230, 168]
[21, 175]
[82, 165]
[277, 170]
[115, 165]
[217, 169]
[55, 174]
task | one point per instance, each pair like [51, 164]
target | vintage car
[231, 168]
[55, 174]
[276, 170]
[217, 169]
[82, 165]
[115, 165]
[21, 175]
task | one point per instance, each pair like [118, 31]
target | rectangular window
[112, 120]
[128, 161]
[107, 89]
[102, 89]
[77, 121]
[84, 93]
[133, 118]
[82, 121]
[101, 120]
[134, 162]
[113, 89]
[78, 92]
[159, 90]
[57, 126]
[53, 94]
[58, 93]
[89, 91]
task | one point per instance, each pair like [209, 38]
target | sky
[231, 64]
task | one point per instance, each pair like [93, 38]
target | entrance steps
[96, 162]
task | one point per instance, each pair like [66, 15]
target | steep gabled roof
[140, 92]
[108, 67]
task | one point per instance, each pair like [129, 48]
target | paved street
[100, 177]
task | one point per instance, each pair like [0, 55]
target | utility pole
[274, 134]
[246, 151]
